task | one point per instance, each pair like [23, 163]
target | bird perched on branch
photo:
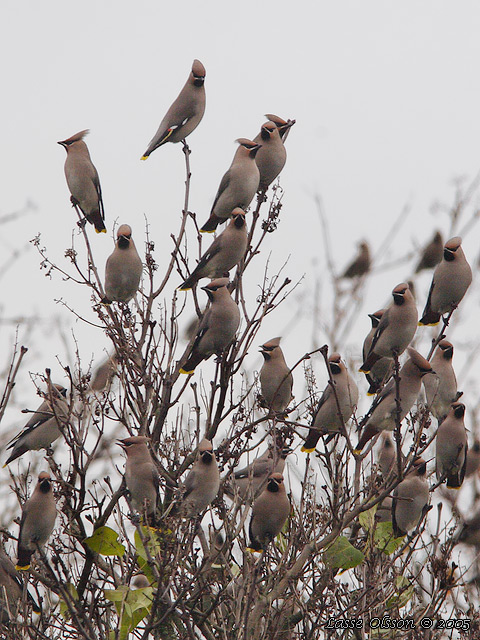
[396, 328]
[269, 513]
[451, 446]
[276, 380]
[45, 424]
[383, 367]
[361, 263]
[473, 459]
[223, 254]
[123, 269]
[450, 282]
[38, 520]
[202, 482]
[238, 185]
[254, 476]
[272, 155]
[185, 113]
[141, 476]
[217, 327]
[432, 253]
[410, 499]
[83, 181]
[441, 389]
[383, 415]
[11, 590]
[339, 399]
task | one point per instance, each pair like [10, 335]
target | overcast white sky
[385, 94]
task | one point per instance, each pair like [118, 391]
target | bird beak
[62, 143]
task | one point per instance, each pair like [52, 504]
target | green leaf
[383, 538]
[105, 542]
[367, 518]
[342, 555]
[153, 545]
[132, 607]
[64, 610]
[404, 595]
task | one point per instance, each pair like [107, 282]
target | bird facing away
[276, 380]
[253, 477]
[410, 499]
[123, 269]
[451, 447]
[383, 367]
[441, 389]
[361, 263]
[238, 185]
[83, 181]
[224, 253]
[396, 328]
[432, 253]
[202, 482]
[450, 282]
[269, 513]
[326, 420]
[44, 426]
[141, 476]
[217, 327]
[11, 590]
[185, 114]
[387, 457]
[271, 156]
[473, 459]
[103, 375]
[384, 409]
[38, 520]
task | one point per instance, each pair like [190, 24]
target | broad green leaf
[342, 555]
[131, 605]
[404, 595]
[367, 518]
[105, 542]
[383, 538]
[154, 547]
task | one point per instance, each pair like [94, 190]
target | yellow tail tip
[184, 288]
[182, 370]
[143, 157]
[206, 231]
[253, 550]
[371, 393]
[307, 450]
[101, 230]
[5, 465]
[455, 488]
[428, 324]
[362, 370]
[357, 451]
[19, 568]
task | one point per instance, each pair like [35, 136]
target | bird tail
[368, 433]
[190, 365]
[211, 224]
[24, 555]
[188, 283]
[311, 441]
[429, 318]
[369, 362]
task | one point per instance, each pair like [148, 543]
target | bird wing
[209, 254]
[223, 185]
[382, 325]
[325, 395]
[257, 469]
[189, 483]
[41, 415]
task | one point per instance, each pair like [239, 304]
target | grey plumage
[38, 520]
[123, 270]
[269, 513]
[276, 380]
[224, 253]
[44, 426]
[282, 125]
[410, 499]
[441, 389]
[11, 590]
[217, 327]
[473, 459]
[83, 181]
[271, 156]
[361, 263]
[396, 328]
[104, 373]
[451, 447]
[383, 367]
[185, 113]
[450, 282]
[384, 413]
[253, 477]
[141, 476]
[237, 187]
[326, 420]
[387, 457]
[432, 254]
[202, 482]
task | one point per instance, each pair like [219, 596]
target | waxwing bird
[361, 263]
[103, 375]
[224, 253]
[473, 459]
[253, 477]
[384, 510]
[44, 426]
[269, 513]
[382, 416]
[11, 590]
[276, 380]
[387, 457]
[238, 185]
[410, 499]
[383, 367]
[282, 125]
[441, 390]
[470, 531]
[38, 520]
[123, 269]
[271, 156]
[141, 476]
[185, 114]
[450, 282]
[326, 420]
[83, 181]
[217, 327]
[432, 253]
[451, 447]
[396, 328]
[202, 482]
